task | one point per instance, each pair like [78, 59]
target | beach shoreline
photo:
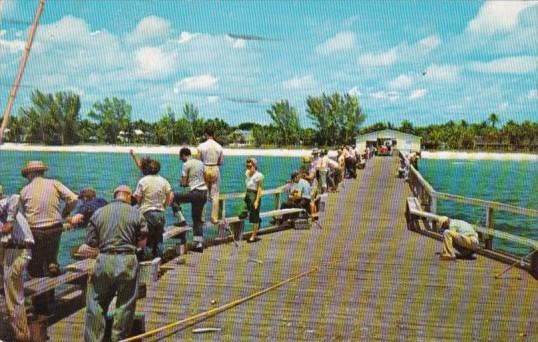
[274, 152]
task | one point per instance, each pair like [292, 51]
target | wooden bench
[414, 212]
[77, 272]
[237, 224]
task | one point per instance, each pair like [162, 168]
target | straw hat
[34, 166]
[123, 188]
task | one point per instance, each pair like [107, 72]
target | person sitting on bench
[459, 239]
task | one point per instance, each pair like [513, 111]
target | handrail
[237, 195]
[486, 204]
[435, 195]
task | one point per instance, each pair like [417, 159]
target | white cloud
[400, 82]
[379, 59]
[151, 27]
[354, 91]
[401, 52]
[503, 106]
[186, 37]
[443, 73]
[12, 46]
[417, 93]
[212, 99]
[342, 41]
[299, 82]
[69, 29]
[508, 65]
[498, 16]
[199, 82]
[153, 62]
[6, 6]
[383, 95]
[237, 43]
[532, 94]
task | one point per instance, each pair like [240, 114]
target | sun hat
[34, 166]
[123, 188]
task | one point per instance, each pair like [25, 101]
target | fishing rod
[213, 312]
[20, 71]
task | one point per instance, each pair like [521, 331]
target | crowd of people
[130, 227]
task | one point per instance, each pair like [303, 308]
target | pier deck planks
[377, 281]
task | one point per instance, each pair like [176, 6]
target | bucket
[322, 202]
[149, 271]
[38, 328]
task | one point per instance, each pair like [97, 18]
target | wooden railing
[239, 195]
[429, 198]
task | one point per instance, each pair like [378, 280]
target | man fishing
[459, 239]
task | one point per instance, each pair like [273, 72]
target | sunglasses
[249, 166]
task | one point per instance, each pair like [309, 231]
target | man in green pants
[117, 229]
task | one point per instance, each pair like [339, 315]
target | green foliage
[113, 116]
[336, 117]
[51, 119]
[286, 121]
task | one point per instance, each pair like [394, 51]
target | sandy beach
[453, 155]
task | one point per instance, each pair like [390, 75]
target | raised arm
[137, 161]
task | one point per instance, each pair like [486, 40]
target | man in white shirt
[192, 176]
[211, 154]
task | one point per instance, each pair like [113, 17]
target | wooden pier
[377, 280]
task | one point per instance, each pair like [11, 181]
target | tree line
[335, 119]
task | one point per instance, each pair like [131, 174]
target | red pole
[20, 71]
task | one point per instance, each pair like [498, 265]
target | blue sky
[424, 61]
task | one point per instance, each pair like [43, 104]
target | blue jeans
[155, 220]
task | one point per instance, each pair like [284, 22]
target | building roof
[388, 134]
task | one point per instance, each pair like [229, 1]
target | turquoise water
[511, 182]
[104, 171]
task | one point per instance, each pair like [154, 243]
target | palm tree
[493, 118]
[286, 121]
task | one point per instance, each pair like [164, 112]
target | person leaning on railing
[116, 229]
[40, 200]
[459, 239]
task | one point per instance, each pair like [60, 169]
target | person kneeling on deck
[460, 239]
[253, 196]
[154, 194]
[14, 256]
[117, 229]
[192, 176]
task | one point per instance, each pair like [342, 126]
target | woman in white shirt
[253, 196]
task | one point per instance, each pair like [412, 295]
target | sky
[426, 61]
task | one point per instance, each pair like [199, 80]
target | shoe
[253, 239]
[198, 248]
[180, 224]
[447, 258]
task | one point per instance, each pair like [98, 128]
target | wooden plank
[74, 272]
[174, 231]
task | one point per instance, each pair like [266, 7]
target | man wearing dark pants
[192, 176]
[40, 200]
[116, 229]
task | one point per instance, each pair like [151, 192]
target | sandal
[252, 240]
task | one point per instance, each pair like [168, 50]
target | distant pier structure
[389, 137]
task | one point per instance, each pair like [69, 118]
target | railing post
[489, 224]
[277, 200]
[433, 203]
[221, 209]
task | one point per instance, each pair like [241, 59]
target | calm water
[503, 181]
[511, 182]
[104, 171]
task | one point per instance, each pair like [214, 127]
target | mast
[20, 71]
